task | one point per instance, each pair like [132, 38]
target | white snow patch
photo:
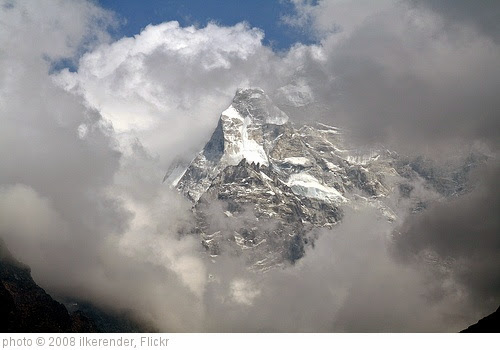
[277, 117]
[175, 176]
[232, 113]
[308, 186]
[265, 176]
[241, 146]
[332, 128]
[257, 91]
[363, 159]
[251, 150]
[298, 161]
[335, 132]
[332, 166]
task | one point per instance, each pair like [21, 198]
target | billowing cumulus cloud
[83, 153]
[138, 82]
[68, 208]
[168, 84]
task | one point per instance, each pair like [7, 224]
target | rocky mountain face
[488, 324]
[27, 308]
[261, 183]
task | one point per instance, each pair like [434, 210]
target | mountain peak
[275, 181]
[240, 131]
[249, 90]
[256, 105]
[246, 130]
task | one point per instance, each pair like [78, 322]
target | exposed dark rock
[488, 324]
[28, 308]
[109, 321]
[405, 190]
[214, 149]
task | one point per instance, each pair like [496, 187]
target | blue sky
[264, 14]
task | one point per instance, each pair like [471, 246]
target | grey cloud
[483, 14]
[106, 230]
[463, 235]
[403, 79]
[423, 80]
[348, 282]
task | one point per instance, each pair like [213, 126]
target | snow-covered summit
[241, 133]
[241, 125]
[286, 178]
[297, 177]
[256, 105]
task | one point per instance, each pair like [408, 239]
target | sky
[98, 99]
[267, 15]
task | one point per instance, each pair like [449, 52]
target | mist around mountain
[270, 182]
[266, 201]
[355, 191]
[265, 190]
[27, 308]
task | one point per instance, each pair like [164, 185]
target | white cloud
[28, 217]
[68, 206]
[38, 28]
[168, 83]
[163, 90]
[402, 75]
